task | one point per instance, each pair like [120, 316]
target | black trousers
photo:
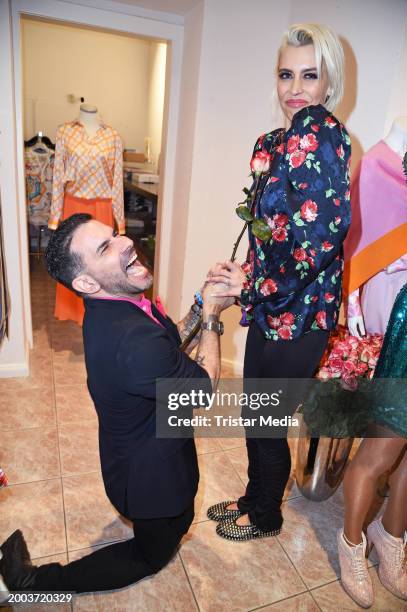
[269, 458]
[118, 565]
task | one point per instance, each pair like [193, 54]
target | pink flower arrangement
[349, 358]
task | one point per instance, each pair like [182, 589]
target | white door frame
[120, 18]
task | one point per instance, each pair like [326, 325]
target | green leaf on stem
[244, 213]
[261, 230]
[246, 191]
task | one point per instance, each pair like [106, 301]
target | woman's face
[298, 83]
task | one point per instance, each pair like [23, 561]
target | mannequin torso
[89, 117]
[396, 139]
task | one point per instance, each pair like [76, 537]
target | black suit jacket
[125, 352]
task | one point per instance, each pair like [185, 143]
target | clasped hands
[224, 282]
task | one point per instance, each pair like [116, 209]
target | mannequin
[375, 250]
[88, 177]
[89, 117]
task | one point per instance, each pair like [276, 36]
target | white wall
[233, 108]
[116, 73]
[156, 94]
[184, 162]
[234, 105]
[14, 350]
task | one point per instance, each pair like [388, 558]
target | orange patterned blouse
[87, 167]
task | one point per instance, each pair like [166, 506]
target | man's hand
[215, 304]
[231, 275]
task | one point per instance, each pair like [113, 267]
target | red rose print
[321, 319]
[300, 254]
[337, 202]
[329, 297]
[268, 286]
[311, 262]
[315, 127]
[273, 179]
[280, 148]
[260, 162]
[309, 210]
[314, 298]
[274, 322]
[340, 152]
[347, 195]
[261, 140]
[337, 220]
[282, 270]
[309, 142]
[330, 122]
[287, 318]
[285, 332]
[293, 143]
[327, 246]
[279, 234]
[280, 220]
[303, 185]
[297, 158]
[312, 252]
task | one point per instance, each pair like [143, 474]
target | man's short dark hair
[63, 264]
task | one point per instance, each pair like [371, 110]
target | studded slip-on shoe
[242, 533]
[219, 512]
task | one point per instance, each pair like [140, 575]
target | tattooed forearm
[186, 326]
[200, 359]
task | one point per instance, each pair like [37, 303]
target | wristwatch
[213, 324]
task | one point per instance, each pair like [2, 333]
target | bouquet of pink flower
[339, 402]
[349, 358]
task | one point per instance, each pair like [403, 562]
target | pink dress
[379, 207]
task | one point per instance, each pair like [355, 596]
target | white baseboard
[14, 370]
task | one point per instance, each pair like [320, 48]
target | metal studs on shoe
[220, 512]
[242, 533]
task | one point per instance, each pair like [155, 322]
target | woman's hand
[229, 273]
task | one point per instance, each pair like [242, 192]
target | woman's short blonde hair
[328, 53]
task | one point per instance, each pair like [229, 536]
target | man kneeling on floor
[129, 343]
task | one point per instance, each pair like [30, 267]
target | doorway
[67, 68]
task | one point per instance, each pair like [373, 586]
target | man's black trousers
[118, 565]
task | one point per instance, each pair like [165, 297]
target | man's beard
[121, 286]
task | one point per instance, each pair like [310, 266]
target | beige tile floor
[49, 450]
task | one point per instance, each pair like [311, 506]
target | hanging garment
[378, 233]
[39, 165]
[4, 296]
[68, 305]
[378, 236]
[87, 167]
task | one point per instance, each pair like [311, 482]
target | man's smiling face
[111, 267]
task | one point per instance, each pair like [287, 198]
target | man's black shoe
[16, 569]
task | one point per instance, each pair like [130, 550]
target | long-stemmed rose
[259, 165]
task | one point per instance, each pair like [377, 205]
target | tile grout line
[316, 603]
[278, 601]
[189, 582]
[292, 563]
[59, 449]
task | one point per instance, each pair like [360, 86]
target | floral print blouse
[295, 277]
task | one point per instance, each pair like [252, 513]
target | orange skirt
[68, 305]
